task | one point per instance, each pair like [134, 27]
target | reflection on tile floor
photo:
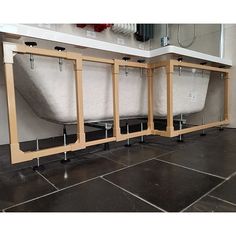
[208, 157]
[78, 170]
[20, 186]
[134, 154]
[227, 190]
[211, 204]
[169, 187]
[94, 196]
[160, 175]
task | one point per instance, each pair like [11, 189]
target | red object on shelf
[97, 27]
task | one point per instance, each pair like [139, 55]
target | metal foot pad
[64, 161]
[127, 145]
[180, 140]
[106, 146]
[39, 168]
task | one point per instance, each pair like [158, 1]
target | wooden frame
[17, 155]
[169, 66]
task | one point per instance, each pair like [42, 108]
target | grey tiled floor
[161, 175]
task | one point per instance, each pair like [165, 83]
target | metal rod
[128, 140]
[167, 30]
[38, 162]
[142, 137]
[37, 144]
[126, 71]
[221, 126]
[106, 145]
[38, 167]
[64, 129]
[65, 160]
[31, 61]
[180, 128]
[60, 64]
[127, 128]
[37, 149]
[221, 76]
[106, 131]
[203, 123]
[65, 153]
[141, 72]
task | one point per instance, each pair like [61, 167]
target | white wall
[207, 36]
[214, 102]
[230, 52]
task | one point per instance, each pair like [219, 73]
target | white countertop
[40, 33]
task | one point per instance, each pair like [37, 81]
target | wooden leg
[115, 84]
[79, 102]
[169, 71]
[226, 97]
[150, 100]
[11, 105]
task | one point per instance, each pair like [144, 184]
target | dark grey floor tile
[23, 185]
[5, 161]
[225, 140]
[211, 157]
[134, 154]
[78, 170]
[93, 196]
[227, 190]
[187, 138]
[210, 204]
[167, 186]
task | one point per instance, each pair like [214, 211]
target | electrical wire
[193, 40]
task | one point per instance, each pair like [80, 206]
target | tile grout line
[56, 191]
[117, 162]
[101, 176]
[204, 195]
[232, 175]
[126, 167]
[220, 199]
[65, 188]
[73, 185]
[47, 180]
[30, 200]
[188, 168]
[134, 195]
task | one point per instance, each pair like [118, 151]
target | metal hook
[141, 69]
[126, 69]
[60, 62]
[180, 59]
[31, 44]
[203, 64]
